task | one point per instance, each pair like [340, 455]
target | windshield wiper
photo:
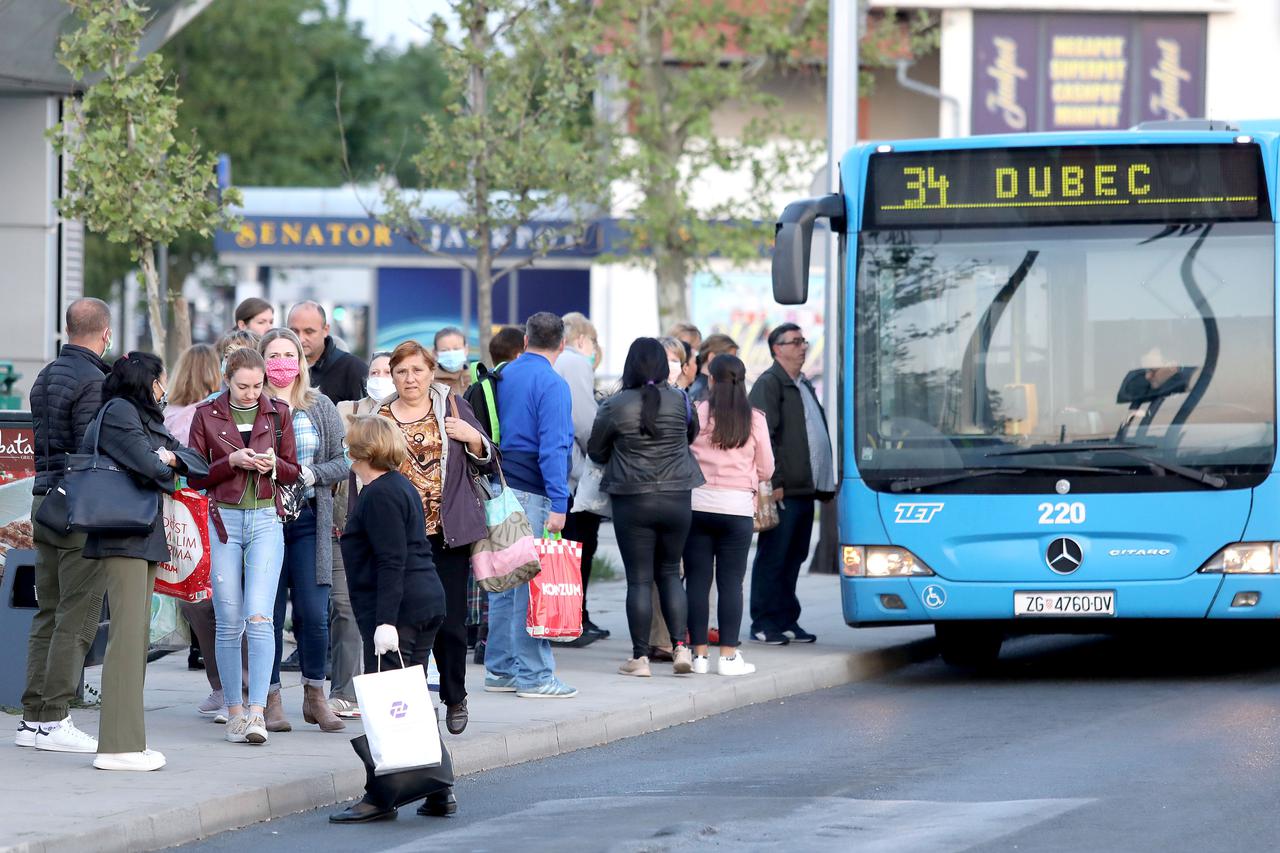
[1131, 450]
[912, 483]
[1071, 447]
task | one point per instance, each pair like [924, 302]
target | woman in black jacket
[642, 436]
[131, 431]
[396, 595]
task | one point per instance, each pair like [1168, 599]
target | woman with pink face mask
[308, 544]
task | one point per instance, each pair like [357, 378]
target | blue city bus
[1057, 379]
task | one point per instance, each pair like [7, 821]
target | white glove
[385, 639]
[308, 477]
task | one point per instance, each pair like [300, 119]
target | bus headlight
[880, 561]
[1245, 558]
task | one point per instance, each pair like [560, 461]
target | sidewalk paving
[54, 802]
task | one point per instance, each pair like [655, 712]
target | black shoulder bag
[289, 498]
[104, 498]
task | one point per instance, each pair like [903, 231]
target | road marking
[817, 824]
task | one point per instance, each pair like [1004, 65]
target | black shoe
[456, 717]
[589, 626]
[479, 655]
[194, 660]
[657, 655]
[291, 663]
[440, 804]
[362, 812]
[586, 639]
[796, 634]
[770, 638]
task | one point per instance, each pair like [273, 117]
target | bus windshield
[1080, 350]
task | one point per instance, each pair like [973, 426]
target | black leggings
[718, 545]
[453, 565]
[651, 531]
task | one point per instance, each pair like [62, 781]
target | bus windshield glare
[1081, 350]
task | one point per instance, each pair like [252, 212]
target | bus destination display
[1065, 186]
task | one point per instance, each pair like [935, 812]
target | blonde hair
[303, 396]
[195, 376]
[374, 439]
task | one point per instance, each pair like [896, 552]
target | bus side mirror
[792, 241]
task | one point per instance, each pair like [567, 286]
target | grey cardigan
[330, 468]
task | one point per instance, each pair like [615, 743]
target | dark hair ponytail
[730, 410]
[131, 377]
[646, 369]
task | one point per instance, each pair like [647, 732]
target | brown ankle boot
[274, 714]
[316, 710]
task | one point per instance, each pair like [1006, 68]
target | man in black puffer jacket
[64, 400]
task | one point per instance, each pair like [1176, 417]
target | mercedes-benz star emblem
[1064, 555]
[1062, 486]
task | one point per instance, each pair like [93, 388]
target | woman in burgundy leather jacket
[247, 437]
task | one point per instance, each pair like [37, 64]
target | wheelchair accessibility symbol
[933, 596]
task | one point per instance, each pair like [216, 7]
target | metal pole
[842, 132]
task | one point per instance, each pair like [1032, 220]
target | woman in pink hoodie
[734, 452]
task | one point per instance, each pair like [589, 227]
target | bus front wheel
[968, 646]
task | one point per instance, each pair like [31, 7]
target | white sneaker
[256, 730]
[735, 665]
[238, 729]
[26, 733]
[221, 717]
[65, 737]
[701, 664]
[143, 761]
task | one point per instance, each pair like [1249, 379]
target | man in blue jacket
[535, 417]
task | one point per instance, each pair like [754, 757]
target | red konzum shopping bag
[555, 593]
[186, 526]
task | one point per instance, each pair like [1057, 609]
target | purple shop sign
[1005, 73]
[1089, 69]
[1171, 77]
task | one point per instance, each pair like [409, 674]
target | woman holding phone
[238, 433]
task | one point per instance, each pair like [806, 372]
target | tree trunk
[478, 105]
[181, 328]
[672, 271]
[155, 302]
[484, 301]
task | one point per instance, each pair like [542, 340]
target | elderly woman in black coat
[396, 595]
[131, 431]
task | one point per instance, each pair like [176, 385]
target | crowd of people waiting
[346, 490]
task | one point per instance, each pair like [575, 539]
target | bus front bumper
[896, 601]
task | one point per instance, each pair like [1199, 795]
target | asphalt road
[1170, 743]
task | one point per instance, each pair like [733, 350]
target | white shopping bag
[399, 719]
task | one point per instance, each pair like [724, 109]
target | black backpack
[482, 396]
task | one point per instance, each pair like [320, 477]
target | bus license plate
[1083, 603]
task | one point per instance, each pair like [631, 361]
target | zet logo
[399, 709]
[916, 513]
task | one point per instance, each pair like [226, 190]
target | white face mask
[673, 368]
[380, 387]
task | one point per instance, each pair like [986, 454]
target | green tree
[258, 80]
[132, 179]
[516, 139]
[673, 64]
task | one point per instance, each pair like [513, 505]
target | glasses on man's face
[794, 342]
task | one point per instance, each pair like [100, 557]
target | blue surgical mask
[346, 454]
[452, 360]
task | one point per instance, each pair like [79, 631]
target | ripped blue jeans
[245, 573]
